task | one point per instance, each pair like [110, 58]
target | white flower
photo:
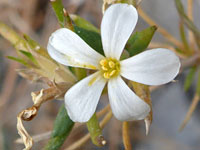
[152, 67]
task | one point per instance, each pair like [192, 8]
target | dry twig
[190, 16]
[190, 111]
[126, 137]
[84, 139]
[166, 34]
[55, 91]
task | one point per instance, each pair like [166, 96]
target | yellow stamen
[106, 75]
[111, 64]
[110, 67]
[104, 68]
[112, 72]
[103, 62]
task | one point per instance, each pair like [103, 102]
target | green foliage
[18, 42]
[95, 130]
[183, 36]
[84, 29]
[139, 41]
[189, 78]
[198, 84]
[63, 124]
[187, 21]
[36, 47]
[62, 127]
[21, 61]
[91, 38]
[58, 9]
[23, 46]
[82, 23]
[30, 56]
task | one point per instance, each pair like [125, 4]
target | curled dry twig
[28, 141]
[55, 91]
[46, 135]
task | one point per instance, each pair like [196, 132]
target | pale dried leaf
[47, 68]
[37, 138]
[27, 140]
[31, 75]
[54, 92]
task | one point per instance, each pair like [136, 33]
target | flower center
[110, 67]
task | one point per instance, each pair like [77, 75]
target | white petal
[117, 25]
[125, 104]
[82, 99]
[69, 49]
[152, 67]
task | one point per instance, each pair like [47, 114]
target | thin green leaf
[198, 84]
[9, 34]
[62, 127]
[183, 36]
[82, 23]
[30, 56]
[187, 21]
[91, 38]
[58, 9]
[181, 51]
[189, 78]
[95, 131]
[139, 41]
[61, 14]
[19, 60]
[36, 47]
[20, 43]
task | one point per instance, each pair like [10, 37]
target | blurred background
[170, 103]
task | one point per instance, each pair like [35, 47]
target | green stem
[95, 131]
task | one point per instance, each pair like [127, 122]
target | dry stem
[190, 111]
[46, 135]
[166, 34]
[190, 16]
[84, 139]
[27, 140]
[55, 91]
[126, 137]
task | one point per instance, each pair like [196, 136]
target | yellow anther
[112, 72]
[106, 75]
[104, 68]
[109, 67]
[111, 64]
[103, 62]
